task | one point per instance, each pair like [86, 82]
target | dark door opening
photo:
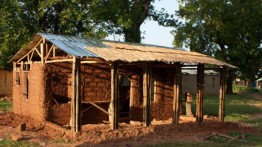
[124, 98]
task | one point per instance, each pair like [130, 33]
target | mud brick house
[211, 79]
[6, 82]
[76, 81]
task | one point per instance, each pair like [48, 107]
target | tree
[21, 19]
[229, 30]
[126, 16]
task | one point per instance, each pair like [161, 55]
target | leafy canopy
[21, 19]
[229, 30]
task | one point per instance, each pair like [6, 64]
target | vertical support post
[42, 50]
[114, 110]
[200, 93]
[76, 102]
[177, 92]
[146, 94]
[222, 89]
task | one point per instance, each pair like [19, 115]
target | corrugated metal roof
[117, 51]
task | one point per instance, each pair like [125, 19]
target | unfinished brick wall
[35, 104]
[6, 82]
[95, 86]
[164, 94]
[161, 107]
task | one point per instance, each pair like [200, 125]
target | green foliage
[21, 19]
[229, 30]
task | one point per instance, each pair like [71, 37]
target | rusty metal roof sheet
[118, 51]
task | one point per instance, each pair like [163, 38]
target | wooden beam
[177, 93]
[221, 113]
[114, 111]
[48, 54]
[146, 94]
[93, 62]
[76, 102]
[42, 52]
[200, 93]
[100, 108]
[61, 60]
[31, 50]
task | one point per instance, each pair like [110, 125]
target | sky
[152, 32]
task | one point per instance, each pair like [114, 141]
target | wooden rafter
[30, 50]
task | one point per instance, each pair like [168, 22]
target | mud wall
[6, 82]
[95, 86]
[161, 104]
[211, 84]
[33, 105]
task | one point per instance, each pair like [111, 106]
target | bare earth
[127, 135]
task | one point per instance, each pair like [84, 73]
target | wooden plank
[177, 90]
[100, 108]
[146, 94]
[221, 113]
[114, 111]
[200, 93]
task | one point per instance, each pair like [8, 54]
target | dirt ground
[133, 134]
[127, 135]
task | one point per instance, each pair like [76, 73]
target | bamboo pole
[222, 89]
[177, 90]
[200, 93]
[146, 94]
[114, 111]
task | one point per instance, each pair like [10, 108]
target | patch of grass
[6, 106]
[244, 89]
[10, 143]
[237, 107]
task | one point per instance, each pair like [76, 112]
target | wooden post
[146, 94]
[76, 102]
[222, 89]
[42, 49]
[177, 90]
[114, 111]
[200, 93]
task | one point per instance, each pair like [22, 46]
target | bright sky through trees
[151, 31]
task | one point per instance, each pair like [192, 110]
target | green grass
[6, 106]
[9, 143]
[244, 89]
[237, 109]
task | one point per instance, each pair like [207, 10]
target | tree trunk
[229, 89]
[132, 34]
